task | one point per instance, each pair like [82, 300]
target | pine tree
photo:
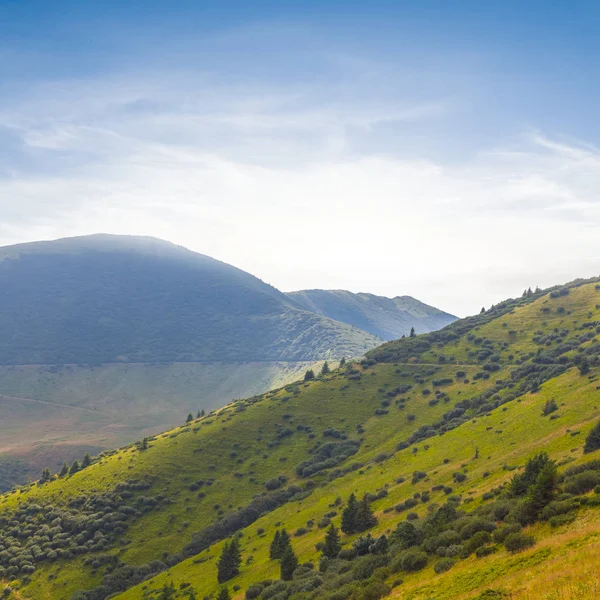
[592, 442]
[223, 594]
[144, 444]
[64, 471]
[542, 492]
[74, 467]
[332, 546]
[364, 516]
[349, 515]
[310, 374]
[229, 562]
[274, 549]
[86, 462]
[342, 361]
[412, 332]
[45, 476]
[325, 368]
[289, 562]
[482, 310]
[189, 418]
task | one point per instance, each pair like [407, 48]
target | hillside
[435, 430]
[104, 299]
[387, 318]
[104, 339]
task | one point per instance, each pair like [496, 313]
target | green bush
[413, 560]
[516, 542]
[443, 565]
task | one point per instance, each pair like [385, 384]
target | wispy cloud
[291, 183]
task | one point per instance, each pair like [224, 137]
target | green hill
[104, 339]
[435, 430]
[103, 299]
[387, 318]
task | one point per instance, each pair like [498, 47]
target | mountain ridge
[387, 318]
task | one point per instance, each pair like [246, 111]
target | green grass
[504, 436]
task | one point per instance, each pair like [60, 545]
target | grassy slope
[507, 436]
[53, 413]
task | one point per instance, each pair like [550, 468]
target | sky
[447, 150]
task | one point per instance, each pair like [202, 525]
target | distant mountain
[387, 318]
[104, 298]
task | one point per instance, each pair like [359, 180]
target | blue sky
[446, 150]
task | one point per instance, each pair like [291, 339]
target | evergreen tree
[332, 546]
[202, 412]
[46, 476]
[482, 310]
[342, 361]
[310, 374]
[592, 442]
[412, 332]
[542, 492]
[144, 444]
[229, 562]
[289, 562]
[364, 516]
[349, 515]
[74, 467]
[521, 482]
[189, 418]
[274, 549]
[325, 368]
[64, 471]
[86, 462]
[223, 594]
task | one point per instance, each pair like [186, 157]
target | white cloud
[279, 183]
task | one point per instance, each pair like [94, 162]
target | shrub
[443, 565]
[516, 542]
[479, 539]
[592, 442]
[503, 532]
[413, 560]
[582, 482]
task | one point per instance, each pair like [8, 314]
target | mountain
[105, 299]
[387, 318]
[104, 339]
[474, 453]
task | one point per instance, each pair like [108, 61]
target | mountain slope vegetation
[468, 444]
[104, 339]
[387, 318]
[103, 299]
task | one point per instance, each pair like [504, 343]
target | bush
[443, 565]
[254, 591]
[503, 532]
[413, 560]
[582, 482]
[516, 542]
[481, 538]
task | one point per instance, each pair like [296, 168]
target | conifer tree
[332, 546]
[86, 462]
[364, 516]
[310, 374]
[64, 471]
[592, 442]
[349, 515]
[325, 368]
[229, 562]
[274, 549]
[223, 594]
[189, 418]
[289, 562]
[74, 467]
[342, 361]
[542, 492]
[412, 332]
